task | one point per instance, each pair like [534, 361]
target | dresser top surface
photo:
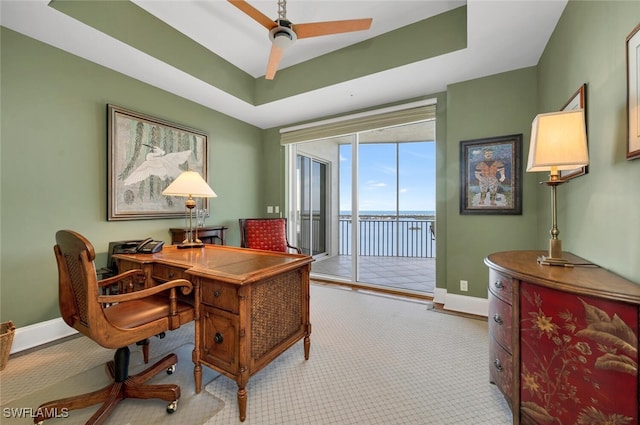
[585, 277]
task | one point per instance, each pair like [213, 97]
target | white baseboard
[40, 333]
[461, 303]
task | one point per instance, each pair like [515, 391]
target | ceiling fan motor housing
[282, 35]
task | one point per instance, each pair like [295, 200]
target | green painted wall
[498, 105]
[54, 165]
[599, 213]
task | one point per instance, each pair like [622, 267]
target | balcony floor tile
[403, 273]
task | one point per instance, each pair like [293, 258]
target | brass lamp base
[191, 242]
[185, 245]
[555, 255]
[548, 261]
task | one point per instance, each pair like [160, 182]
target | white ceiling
[503, 35]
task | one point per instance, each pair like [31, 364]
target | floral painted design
[579, 359]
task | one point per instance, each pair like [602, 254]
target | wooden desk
[250, 305]
[209, 234]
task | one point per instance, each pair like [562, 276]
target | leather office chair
[115, 321]
[265, 233]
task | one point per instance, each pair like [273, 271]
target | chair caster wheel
[171, 369]
[172, 407]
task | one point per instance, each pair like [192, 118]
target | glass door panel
[311, 207]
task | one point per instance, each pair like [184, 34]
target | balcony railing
[390, 236]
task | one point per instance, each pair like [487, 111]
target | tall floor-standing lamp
[558, 142]
[190, 184]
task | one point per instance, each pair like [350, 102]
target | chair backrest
[77, 281]
[264, 233]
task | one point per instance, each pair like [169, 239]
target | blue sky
[378, 176]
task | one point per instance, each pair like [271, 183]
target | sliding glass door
[311, 206]
[365, 206]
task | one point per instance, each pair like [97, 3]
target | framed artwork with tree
[145, 155]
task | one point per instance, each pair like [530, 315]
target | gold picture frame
[577, 101]
[633, 94]
[145, 154]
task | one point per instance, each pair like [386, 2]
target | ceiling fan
[283, 33]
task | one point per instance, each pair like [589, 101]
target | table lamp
[558, 142]
[190, 184]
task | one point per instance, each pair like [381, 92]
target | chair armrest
[298, 250]
[184, 284]
[122, 276]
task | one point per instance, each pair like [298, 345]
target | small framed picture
[577, 101]
[633, 94]
[145, 155]
[490, 175]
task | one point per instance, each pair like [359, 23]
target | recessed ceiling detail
[210, 53]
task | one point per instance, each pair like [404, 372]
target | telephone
[147, 246]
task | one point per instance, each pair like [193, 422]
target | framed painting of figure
[490, 175]
[145, 154]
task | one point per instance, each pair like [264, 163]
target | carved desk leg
[242, 403]
[307, 346]
[197, 369]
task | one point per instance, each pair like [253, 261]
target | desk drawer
[165, 273]
[220, 339]
[501, 285]
[220, 295]
[500, 321]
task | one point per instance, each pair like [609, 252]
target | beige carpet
[375, 360]
[192, 408]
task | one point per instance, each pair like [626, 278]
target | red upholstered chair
[269, 234]
[115, 321]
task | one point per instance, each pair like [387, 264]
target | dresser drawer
[220, 295]
[166, 273]
[220, 339]
[500, 321]
[501, 285]
[501, 370]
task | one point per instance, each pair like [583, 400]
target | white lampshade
[189, 184]
[558, 141]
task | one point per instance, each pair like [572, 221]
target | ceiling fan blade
[254, 13]
[314, 29]
[274, 61]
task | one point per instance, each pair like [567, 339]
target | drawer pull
[497, 319]
[171, 275]
[497, 364]
[218, 339]
[216, 293]
[498, 284]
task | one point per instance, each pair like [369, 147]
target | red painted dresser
[563, 341]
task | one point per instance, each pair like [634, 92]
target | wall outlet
[464, 285]
[269, 209]
[277, 209]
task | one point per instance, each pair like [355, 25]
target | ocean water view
[390, 233]
[402, 215]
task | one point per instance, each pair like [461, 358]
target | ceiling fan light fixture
[282, 37]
